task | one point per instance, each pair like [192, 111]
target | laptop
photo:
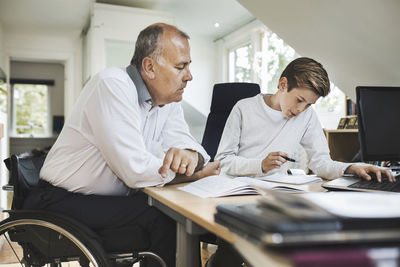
[378, 110]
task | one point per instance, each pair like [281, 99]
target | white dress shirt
[112, 138]
[254, 129]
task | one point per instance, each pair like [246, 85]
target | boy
[263, 131]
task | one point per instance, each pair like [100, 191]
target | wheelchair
[39, 238]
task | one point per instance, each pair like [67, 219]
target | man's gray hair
[149, 43]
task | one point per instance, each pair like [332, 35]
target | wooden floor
[8, 258]
[7, 255]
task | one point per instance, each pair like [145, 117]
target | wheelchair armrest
[8, 187]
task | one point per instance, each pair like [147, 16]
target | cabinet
[343, 144]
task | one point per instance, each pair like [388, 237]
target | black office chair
[225, 96]
[48, 237]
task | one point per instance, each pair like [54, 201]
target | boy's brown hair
[308, 73]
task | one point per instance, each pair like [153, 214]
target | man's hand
[274, 160]
[180, 161]
[362, 170]
[212, 168]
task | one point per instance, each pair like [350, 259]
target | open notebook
[220, 185]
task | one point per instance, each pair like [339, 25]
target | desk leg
[187, 248]
[187, 236]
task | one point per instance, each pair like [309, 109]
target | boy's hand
[274, 160]
[363, 171]
[181, 161]
[212, 168]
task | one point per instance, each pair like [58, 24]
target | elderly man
[109, 145]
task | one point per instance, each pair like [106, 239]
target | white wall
[1, 47]
[121, 25]
[3, 155]
[117, 23]
[204, 70]
[3, 141]
[61, 47]
[357, 41]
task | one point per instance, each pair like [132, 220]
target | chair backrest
[225, 96]
[24, 174]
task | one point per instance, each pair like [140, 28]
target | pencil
[289, 159]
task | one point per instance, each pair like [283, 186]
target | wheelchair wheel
[39, 239]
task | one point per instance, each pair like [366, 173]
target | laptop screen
[378, 111]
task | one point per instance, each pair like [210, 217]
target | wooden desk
[194, 216]
[257, 256]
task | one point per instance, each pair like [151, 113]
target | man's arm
[212, 168]
[115, 122]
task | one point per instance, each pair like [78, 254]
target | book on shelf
[222, 185]
[348, 122]
[342, 123]
[352, 123]
[351, 108]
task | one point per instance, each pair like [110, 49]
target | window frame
[249, 33]
[13, 110]
[231, 73]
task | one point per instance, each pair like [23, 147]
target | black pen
[289, 159]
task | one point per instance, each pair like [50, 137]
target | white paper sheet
[358, 204]
[217, 186]
[291, 179]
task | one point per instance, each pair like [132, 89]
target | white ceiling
[197, 17]
[357, 41]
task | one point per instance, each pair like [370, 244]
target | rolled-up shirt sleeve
[115, 123]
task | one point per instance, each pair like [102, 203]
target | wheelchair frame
[46, 236]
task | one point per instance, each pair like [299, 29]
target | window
[261, 56]
[3, 96]
[30, 109]
[240, 63]
[274, 56]
[331, 108]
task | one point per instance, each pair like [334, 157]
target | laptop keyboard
[385, 185]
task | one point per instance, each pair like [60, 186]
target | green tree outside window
[31, 112]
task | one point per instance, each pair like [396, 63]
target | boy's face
[296, 100]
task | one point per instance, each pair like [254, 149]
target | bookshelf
[343, 143]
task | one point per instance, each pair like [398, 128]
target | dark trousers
[226, 255]
[124, 223]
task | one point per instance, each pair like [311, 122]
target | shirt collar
[142, 91]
